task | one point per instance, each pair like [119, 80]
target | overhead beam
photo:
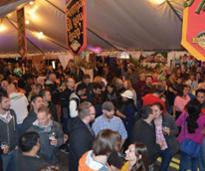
[174, 10]
[29, 40]
[5, 2]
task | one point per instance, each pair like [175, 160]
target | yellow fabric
[125, 167]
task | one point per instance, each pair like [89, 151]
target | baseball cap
[108, 106]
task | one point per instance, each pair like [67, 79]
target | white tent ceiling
[121, 24]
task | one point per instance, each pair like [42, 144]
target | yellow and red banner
[193, 29]
[22, 44]
[76, 24]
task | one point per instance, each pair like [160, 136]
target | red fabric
[203, 111]
[150, 99]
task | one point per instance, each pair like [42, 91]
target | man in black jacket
[81, 135]
[51, 135]
[27, 158]
[36, 103]
[144, 132]
[8, 134]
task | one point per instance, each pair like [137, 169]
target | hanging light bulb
[27, 22]
[32, 13]
[2, 26]
[40, 35]
[31, 3]
[157, 2]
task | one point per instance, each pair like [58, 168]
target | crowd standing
[116, 118]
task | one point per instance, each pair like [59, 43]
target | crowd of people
[118, 119]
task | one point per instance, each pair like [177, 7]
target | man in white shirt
[19, 103]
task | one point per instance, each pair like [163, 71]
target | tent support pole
[174, 10]
[29, 40]
[91, 31]
[49, 39]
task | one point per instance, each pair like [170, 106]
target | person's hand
[166, 130]
[54, 142]
[5, 149]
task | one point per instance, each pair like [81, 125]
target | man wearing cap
[109, 121]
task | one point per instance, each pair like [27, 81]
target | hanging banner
[22, 44]
[193, 29]
[76, 24]
[64, 59]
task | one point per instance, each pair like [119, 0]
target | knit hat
[128, 94]
[108, 106]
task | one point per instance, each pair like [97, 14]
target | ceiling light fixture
[40, 35]
[31, 3]
[27, 22]
[2, 26]
[157, 2]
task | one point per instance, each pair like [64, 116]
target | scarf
[45, 128]
[160, 139]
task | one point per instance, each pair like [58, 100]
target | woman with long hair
[192, 125]
[106, 142]
[165, 131]
[136, 157]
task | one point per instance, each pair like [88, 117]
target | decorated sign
[22, 44]
[76, 25]
[193, 31]
[64, 59]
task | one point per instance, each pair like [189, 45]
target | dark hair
[3, 93]
[27, 141]
[200, 91]
[106, 142]
[43, 92]
[181, 89]
[193, 109]
[159, 89]
[148, 76]
[161, 107]
[38, 86]
[143, 163]
[80, 87]
[145, 112]
[97, 86]
[33, 98]
[86, 76]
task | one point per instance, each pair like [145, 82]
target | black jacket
[8, 131]
[171, 140]
[80, 140]
[145, 133]
[21, 162]
[48, 151]
[28, 121]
